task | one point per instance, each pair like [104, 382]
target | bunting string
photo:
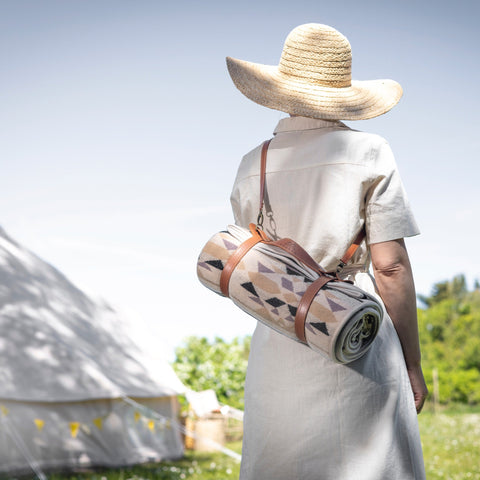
[149, 418]
[173, 423]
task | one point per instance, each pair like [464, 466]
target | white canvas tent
[66, 367]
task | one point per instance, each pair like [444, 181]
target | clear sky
[121, 131]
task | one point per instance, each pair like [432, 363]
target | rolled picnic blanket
[269, 283]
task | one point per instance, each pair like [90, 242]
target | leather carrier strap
[257, 236]
[306, 301]
[293, 248]
[351, 250]
[263, 171]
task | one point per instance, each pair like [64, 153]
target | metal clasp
[260, 220]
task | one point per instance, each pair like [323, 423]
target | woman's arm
[393, 275]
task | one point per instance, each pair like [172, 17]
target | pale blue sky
[121, 132]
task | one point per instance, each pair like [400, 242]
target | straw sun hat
[314, 79]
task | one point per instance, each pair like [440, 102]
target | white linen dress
[307, 418]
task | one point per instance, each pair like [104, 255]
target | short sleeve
[388, 212]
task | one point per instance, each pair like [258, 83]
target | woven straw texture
[342, 320]
[314, 79]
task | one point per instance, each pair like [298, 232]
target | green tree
[218, 365]
[450, 338]
[454, 289]
[449, 327]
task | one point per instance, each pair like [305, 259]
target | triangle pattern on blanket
[262, 282]
[335, 306]
[215, 263]
[229, 245]
[263, 269]
[250, 288]
[317, 310]
[286, 283]
[275, 302]
[321, 327]
[256, 300]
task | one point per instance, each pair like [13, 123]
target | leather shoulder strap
[294, 249]
[352, 249]
[263, 171]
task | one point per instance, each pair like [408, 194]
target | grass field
[451, 444]
[194, 466]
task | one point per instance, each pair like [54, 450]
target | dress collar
[292, 124]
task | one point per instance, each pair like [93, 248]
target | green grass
[194, 466]
[451, 447]
[451, 444]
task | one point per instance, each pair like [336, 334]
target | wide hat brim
[267, 86]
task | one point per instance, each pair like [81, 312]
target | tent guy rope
[11, 431]
[151, 413]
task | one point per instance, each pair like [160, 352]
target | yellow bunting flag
[168, 424]
[4, 410]
[151, 425]
[98, 422]
[136, 416]
[74, 427]
[39, 423]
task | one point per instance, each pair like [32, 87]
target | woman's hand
[419, 387]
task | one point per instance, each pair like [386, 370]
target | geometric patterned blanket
[268, 284]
